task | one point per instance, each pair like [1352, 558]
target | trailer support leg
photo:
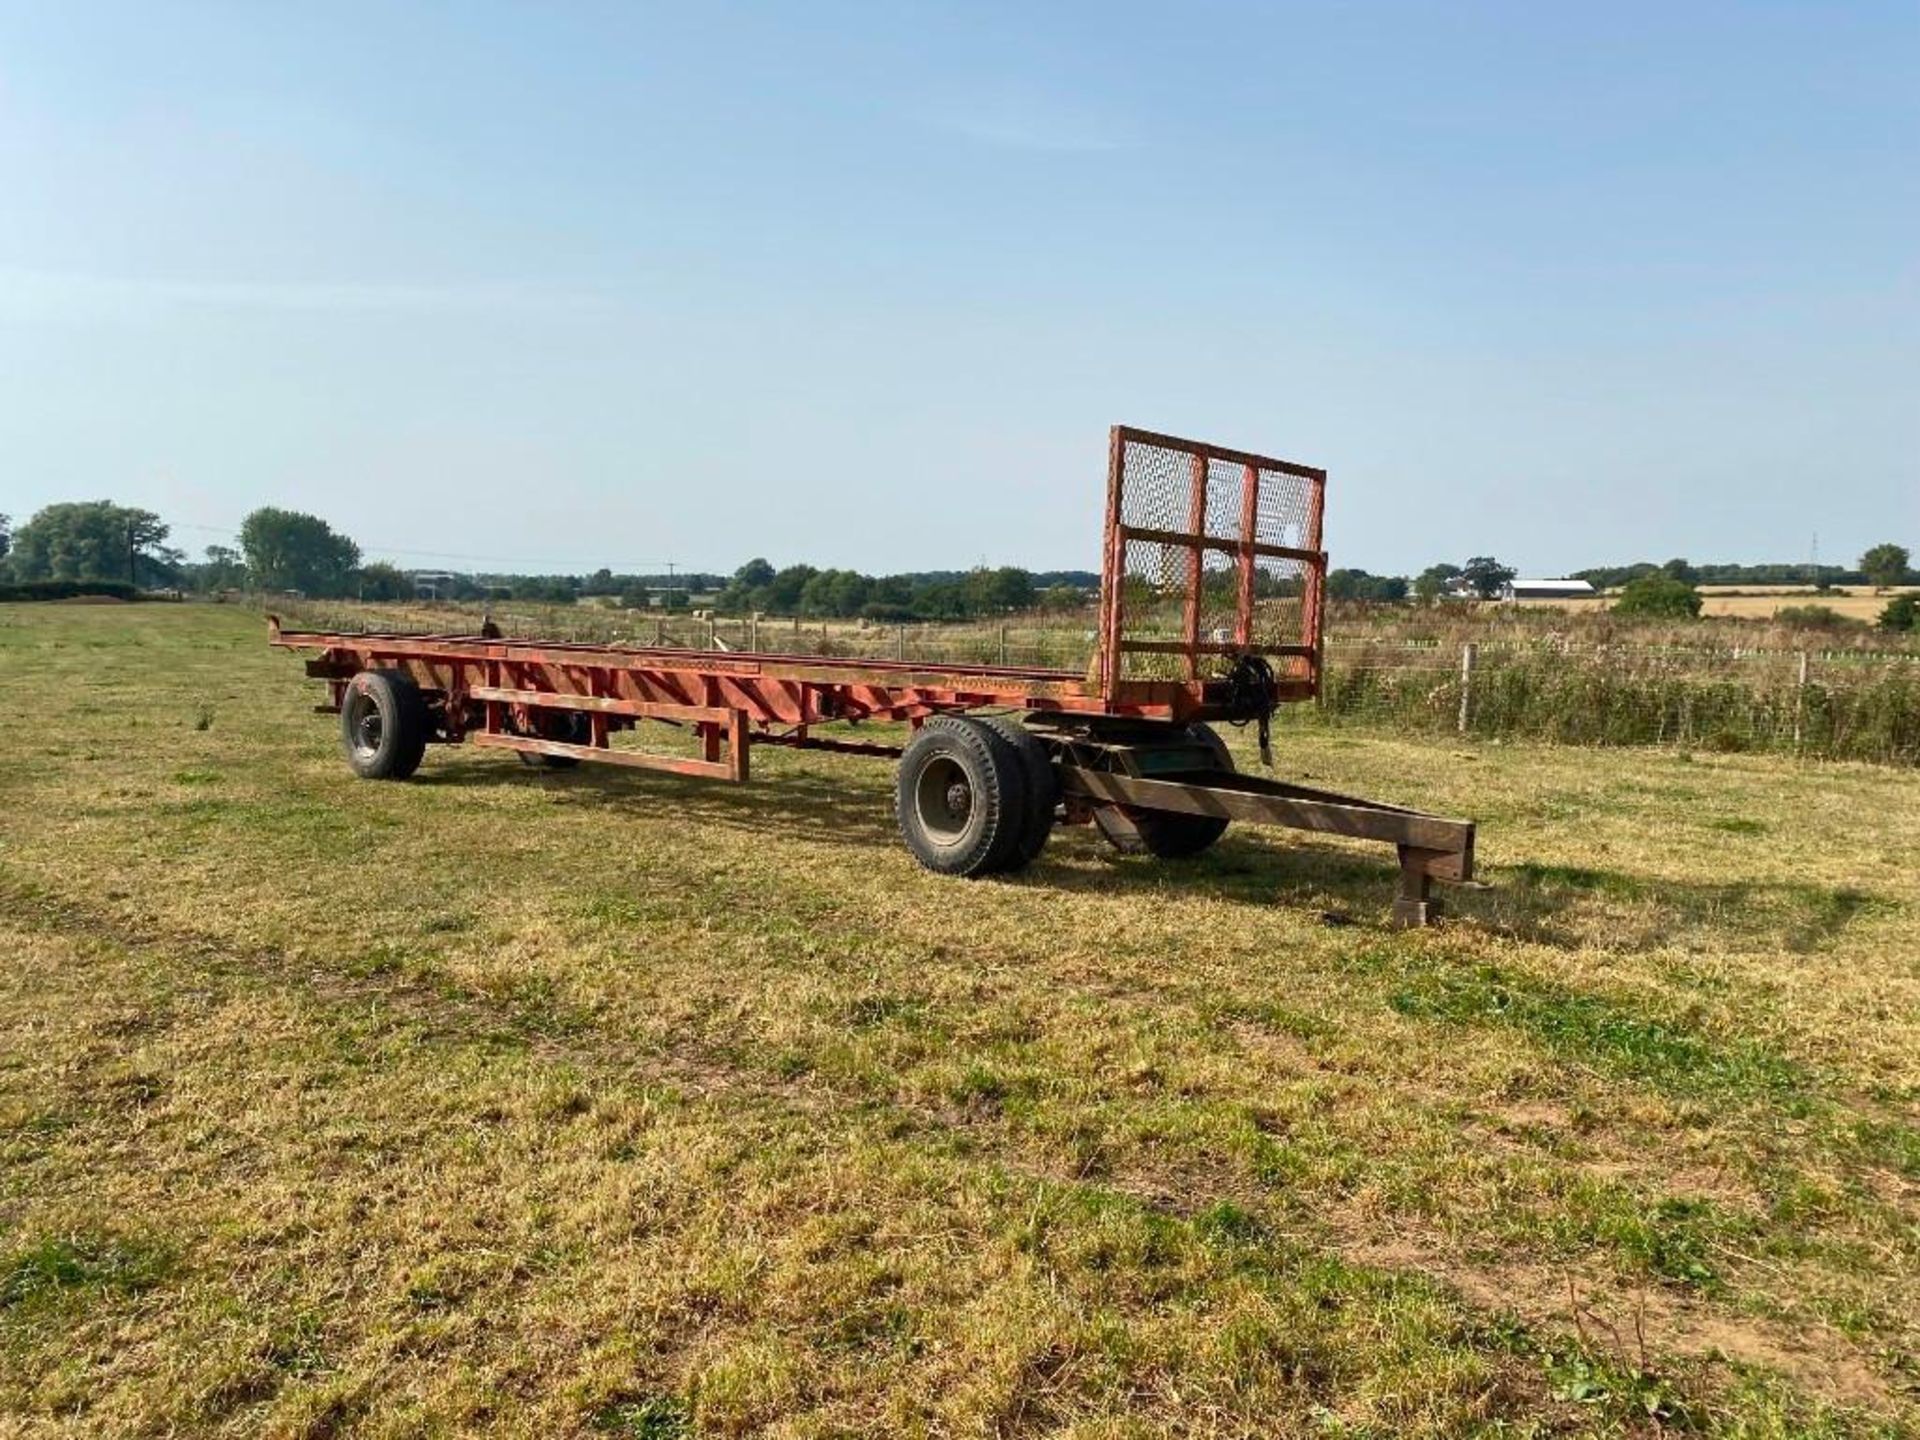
[726, 745]
[738, 745]
[1416, 905]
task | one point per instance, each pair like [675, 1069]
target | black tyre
[961, 797]
[1043, 788]
[1167, 834]
[384, 725]
[570, 727]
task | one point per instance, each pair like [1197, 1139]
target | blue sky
[566, 285]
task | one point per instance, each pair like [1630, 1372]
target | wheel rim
[366, 725]
[943, 800]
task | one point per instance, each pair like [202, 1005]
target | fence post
[1800, 703]
[753, 631]
[899, 642]
[713, 631]
[1469, 652]
[1003, 646]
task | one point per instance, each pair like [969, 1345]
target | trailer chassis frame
[1120, 740]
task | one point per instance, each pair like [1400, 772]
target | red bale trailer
[1212, 584]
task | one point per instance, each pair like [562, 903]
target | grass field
[554, 1104]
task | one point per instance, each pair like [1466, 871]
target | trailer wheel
[384, 725]
[1043, 789]
[1167, 834]
[570, 727]
[960, 797]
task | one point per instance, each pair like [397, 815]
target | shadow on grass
[1564, 906]
[1556, 906]
[821, 807]
[825, 808]
[1534, 902]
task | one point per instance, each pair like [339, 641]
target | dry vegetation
[603, 1104]
[1849, 694]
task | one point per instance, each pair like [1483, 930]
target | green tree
[747, 590]
[6, 537]
[223, 569]
[1885, 565]
[551, 589]
[851, 591]
[381, 581]
[1361, 585]
[1902, 614]
[940, 600]
[1610, 577]
[1658, 597]
[892, 591]
[783, 590]
[1431, 582]
[287, 550]
[95, 540]
[995, 592]
[1681, 570]
[1344, 584]
[1816, 617]
[1487, 575]
[838, 593]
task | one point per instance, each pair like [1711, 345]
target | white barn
[1547, 590]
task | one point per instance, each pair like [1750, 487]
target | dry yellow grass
[551, 1104]
[1861, 602]
[1857, 602]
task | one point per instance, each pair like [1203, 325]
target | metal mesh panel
[1280, 611]
[1158, 489]
[1153, 593]
[1287, 511]
[1226, 490]
[1164, 592]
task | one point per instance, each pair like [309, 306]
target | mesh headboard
[1210, 554]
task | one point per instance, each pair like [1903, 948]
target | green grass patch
[57, 1266]
[1607, 1033]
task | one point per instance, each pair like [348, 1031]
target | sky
[556, 286]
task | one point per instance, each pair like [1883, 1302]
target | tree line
[288, 551]
[1882, 566]
[99, 541]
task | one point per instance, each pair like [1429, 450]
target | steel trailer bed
[1212, 583]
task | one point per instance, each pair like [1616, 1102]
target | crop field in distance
[1753, 602]
[595, 1103]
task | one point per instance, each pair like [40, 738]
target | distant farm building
[433, 584]
[1547, 590]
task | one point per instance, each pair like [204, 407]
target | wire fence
[1839, 703]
